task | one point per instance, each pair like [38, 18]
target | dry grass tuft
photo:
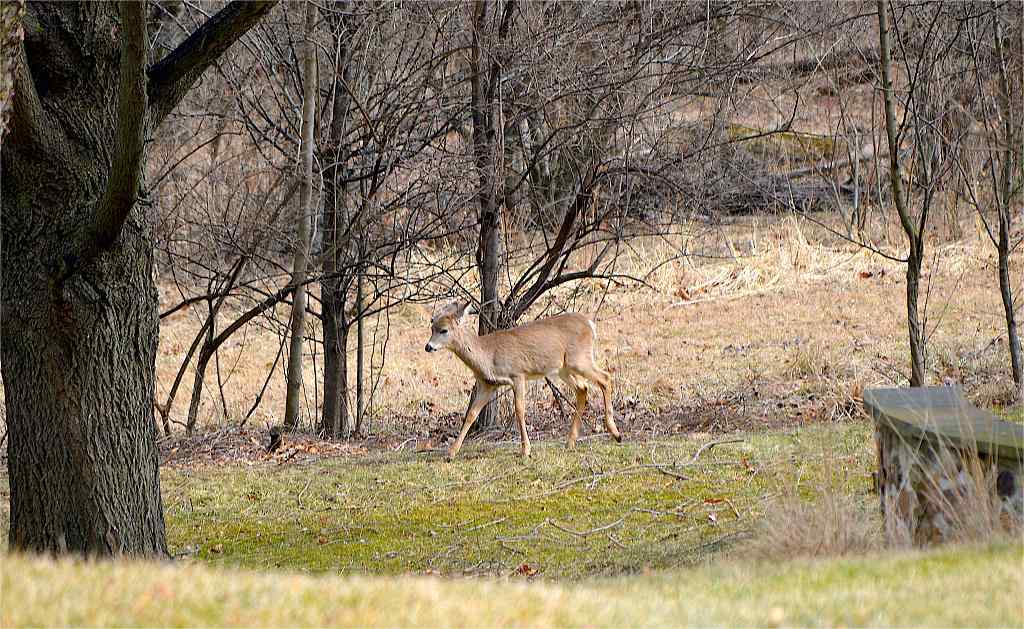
[831, 525]
[809, 361]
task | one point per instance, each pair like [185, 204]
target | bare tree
[377, 155]
[933, 129]
[913, 229]
[333, 285]
[998, 79]
[305, 217]
[1010, 182]
[485, 77]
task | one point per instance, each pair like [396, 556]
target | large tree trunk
[80, 324]
[78, 371]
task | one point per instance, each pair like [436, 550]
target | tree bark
[301, 262]
[78, 370]
[79, 349]
[334, 421]
[79, 340]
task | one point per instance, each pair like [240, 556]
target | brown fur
[560, 346]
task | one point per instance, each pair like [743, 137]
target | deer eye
[444, 331]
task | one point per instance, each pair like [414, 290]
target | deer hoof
[618, 437]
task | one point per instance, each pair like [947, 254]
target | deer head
[447, 324]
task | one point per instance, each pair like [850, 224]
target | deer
[561, 345]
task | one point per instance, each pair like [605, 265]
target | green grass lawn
[604, 509]
[608, 535]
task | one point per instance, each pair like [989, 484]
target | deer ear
[466, 308]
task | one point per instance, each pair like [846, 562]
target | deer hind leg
[482, 394]
[576, 383]
[577, 416]
[519, 392]
[603, 380]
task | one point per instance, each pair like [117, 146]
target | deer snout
[430, 348]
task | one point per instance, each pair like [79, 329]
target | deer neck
[468, 348]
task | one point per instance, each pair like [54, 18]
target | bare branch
[170, 79]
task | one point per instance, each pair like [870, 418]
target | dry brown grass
[787, 314]
[952, 587]
[832, 524]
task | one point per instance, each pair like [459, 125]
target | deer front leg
[519, 392]
[481, 396]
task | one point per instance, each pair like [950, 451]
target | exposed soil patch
[751, 412]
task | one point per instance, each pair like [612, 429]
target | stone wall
[931, 492]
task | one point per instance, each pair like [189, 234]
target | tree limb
[126, 171]
[17, 91]
[174, 75]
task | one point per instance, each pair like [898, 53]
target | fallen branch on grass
[510, 549]
[599, 529]
[708, 446]
[402, 445]
[629, 469]
[667, 472]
